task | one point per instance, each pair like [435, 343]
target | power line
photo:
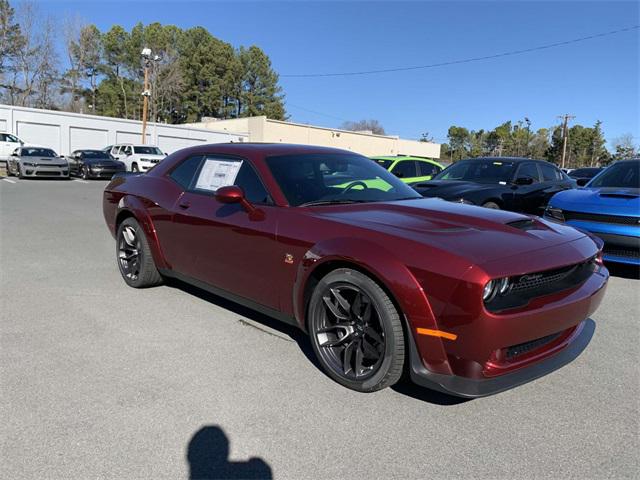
[315, 112]
[466, 60]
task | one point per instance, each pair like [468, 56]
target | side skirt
[278, 315]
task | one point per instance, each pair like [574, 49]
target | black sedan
[517, 184]
[94, 164]
[583, 175]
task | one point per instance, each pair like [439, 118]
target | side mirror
[230, 194]
[582, 181]
[524, 181]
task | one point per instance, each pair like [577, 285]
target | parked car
[410, 169]
[583, 175]
[94, 164]
[609, 207]
[8, 145]
[516, 184]
[473, 301]
[28, 161]
[137, 158]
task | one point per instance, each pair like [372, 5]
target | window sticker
[217, 173]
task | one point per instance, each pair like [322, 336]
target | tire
[133, 255]
[492, 205]
[85, 173]
[366, 351]
[134, 168]
[19, 173]
[9, 173]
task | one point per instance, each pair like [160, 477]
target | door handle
[184, 204]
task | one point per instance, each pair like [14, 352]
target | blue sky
[593, 80]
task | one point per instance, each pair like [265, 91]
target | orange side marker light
[437, 333]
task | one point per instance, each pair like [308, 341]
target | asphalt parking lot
[99, 380]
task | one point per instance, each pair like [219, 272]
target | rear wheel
[134, 256]
[356, 331]
[492, 205]
[134, 167]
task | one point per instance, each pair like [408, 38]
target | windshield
[37, 152]
[97, 154]
[482, 171]
[622, 175]
[335, 178]
[148, 150]
[383, 162]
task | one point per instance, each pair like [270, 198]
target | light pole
[146, 58]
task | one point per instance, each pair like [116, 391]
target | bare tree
[72, 27]
[373, 126]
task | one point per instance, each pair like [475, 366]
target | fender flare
[393, 275]
[131, 205]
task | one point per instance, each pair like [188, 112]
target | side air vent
[526, 224]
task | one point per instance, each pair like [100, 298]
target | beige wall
[260, 129]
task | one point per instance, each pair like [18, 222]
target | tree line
[586, 146]
[192, 74]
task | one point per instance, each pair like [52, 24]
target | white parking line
[80, 181]
[9, 180]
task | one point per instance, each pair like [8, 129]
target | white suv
[137, 158]
[8, 144]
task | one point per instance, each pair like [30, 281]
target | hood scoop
[619, 195]
[527, 224]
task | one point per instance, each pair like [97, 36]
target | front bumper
[104, 172]
[48, 171]
[472, 388]
[621, 242]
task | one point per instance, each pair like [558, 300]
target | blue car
[609, 207]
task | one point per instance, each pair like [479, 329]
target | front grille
[515, 351]
[621, 251]
[596, 217]
[47, 174]
[525, 288]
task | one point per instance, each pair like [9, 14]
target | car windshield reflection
[482, 171]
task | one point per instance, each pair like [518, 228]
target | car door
[406, 170]
[5, 146]
[527, 197]
[553, 181]
[222, 244]
[115, 152]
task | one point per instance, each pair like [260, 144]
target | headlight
[493, 288]
[489, 290]
[554, 213]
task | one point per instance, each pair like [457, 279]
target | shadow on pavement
[630, 272]
[208, 458]
[404, 387]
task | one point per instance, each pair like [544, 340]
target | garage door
[3, 125]
[130, 137]
[170, 144]
[45, 135]
[87, 138]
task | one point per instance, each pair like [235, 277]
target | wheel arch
[132, 207]
[391, 274]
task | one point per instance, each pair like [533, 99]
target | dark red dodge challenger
[469, 300]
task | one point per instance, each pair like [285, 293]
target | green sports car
[410, 169]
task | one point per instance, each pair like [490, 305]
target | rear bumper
[472, 388]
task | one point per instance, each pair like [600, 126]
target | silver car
[32, 162]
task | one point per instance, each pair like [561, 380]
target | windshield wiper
[329, 202]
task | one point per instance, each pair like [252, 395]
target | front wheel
[85, 172]
[356, 331]
[492, 205]
[134, 256]
[134, 168]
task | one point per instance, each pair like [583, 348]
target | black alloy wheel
[492, 205]
[135, 260]
[356, 331]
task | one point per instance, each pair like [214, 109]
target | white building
[65, 132]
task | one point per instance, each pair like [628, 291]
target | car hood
[452, 189]
[475, 233]
[45, 161]
[606, 201]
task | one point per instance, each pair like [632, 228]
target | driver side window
[529, 170]
[405, 169]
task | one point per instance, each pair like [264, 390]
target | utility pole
[565, 135]
[146, 58]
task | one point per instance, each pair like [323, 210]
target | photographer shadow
[208, 458]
